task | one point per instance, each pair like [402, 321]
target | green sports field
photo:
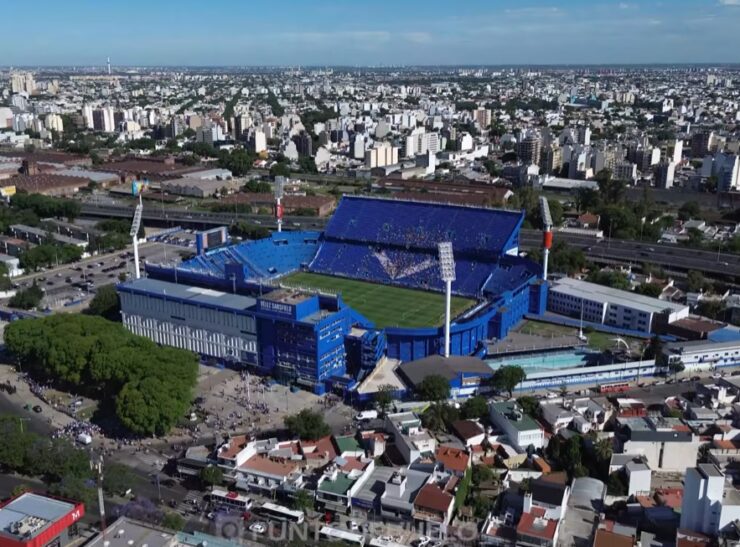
[384, 305]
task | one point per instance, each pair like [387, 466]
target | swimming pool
[544, 361]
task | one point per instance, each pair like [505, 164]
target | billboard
[210, 239]
[138, 186]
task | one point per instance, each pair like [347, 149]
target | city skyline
[413, 33]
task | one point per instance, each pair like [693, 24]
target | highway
[674, 258]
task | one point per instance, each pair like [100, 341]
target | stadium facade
[234, 303]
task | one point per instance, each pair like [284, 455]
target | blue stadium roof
[421, 225]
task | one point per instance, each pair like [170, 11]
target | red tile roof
[433, 497]
[534, 524]
[453, 459]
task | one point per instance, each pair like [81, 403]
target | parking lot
[70, 284]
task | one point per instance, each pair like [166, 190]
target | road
[671, 257]
[68, 282]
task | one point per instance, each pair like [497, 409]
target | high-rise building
[239, 125]
[528, 150]
[22, 82]
[482, 116]
[584, 135]
[358, 147]
[53, 122]
[709, 504]
[664, 175]
[259, 141]
[625, 170]
[551, 158]
[381, 154]
[678, 151]
[303, 144]
[419, 142]
[701, 143]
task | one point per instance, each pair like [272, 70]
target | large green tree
[507, 378]
[105, 303]
[307, 424]
[434, 388]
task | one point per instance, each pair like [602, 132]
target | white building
[381, 154]
[53, 122]
[212, 323]
[260, 141]
[702, 355]
[709, 504]
[521, 429]
[411, 439]
[608, 306]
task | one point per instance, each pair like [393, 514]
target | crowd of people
[74, 429]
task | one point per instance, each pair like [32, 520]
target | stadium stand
[395, 243]
[419, 225]
[276, 255]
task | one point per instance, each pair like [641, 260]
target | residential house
[520, 428]
[410, 438]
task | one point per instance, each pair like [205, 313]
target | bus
[614, 387]
[225, 499]
[333, 534]
[278, 512]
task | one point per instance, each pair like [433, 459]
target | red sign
[279, 210]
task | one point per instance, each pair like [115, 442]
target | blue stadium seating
[395, 243]
[419, 225]
[270, 257]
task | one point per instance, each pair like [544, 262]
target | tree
[508, 377]
[280, 169]
[689, 210]
[529, 405]
[211, 475]
[19, 489]
[439, 416]
[149, 386]
[573, 453]
[649, 289]
[475, 408]
[713, 309]
[482, 474]
[603, 450]
[303, 501]
[614, 279]
[695, 281]
[27, 299]
[116, 479]
[434, 388]
[676, 367]
[106, 303]
[384, 397]
[654, 349]
[173, 521]
[307, 424]
[616, 485]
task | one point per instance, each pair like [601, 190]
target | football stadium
[321, 309]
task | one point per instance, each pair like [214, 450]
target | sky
[368, 33]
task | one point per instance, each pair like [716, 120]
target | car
[695, 378]
[352, 525]
[258, 528]
[90, 266]
[112, 275]
[37, 409]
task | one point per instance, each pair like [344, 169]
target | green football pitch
[384, 305]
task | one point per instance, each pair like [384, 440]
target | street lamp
[447, 274]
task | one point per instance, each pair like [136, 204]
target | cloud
[730, 2]
[624, 5]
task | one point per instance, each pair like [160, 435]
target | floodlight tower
[279, 188]
[134, 233]
[546, 234]
[447, 274]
